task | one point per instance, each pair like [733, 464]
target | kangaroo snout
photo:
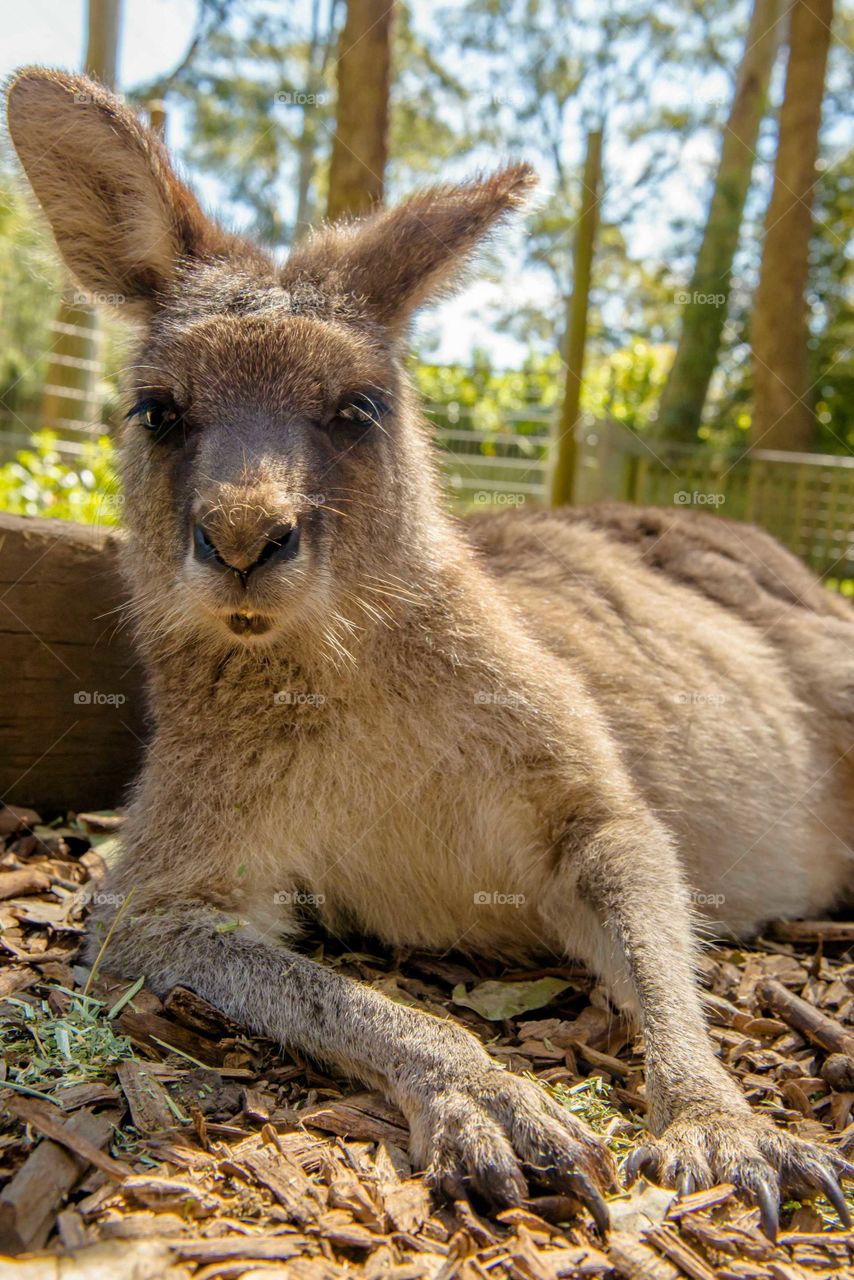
[242, 548]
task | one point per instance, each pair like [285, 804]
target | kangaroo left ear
[122, 219]
[396, 260]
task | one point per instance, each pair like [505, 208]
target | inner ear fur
[120, 216]
[392, 262]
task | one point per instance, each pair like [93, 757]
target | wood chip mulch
[147, 1138]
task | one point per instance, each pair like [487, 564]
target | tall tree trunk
[71, 389]
[360, 143]
[566, 451]
[318, 60]
[705, 305]
[783, 416]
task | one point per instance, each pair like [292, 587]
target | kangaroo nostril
[282, 544]
[203, 547]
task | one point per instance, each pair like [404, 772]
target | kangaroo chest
[417, 843]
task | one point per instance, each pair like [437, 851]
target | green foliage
[625, 386]
[40, 483]
[622, 387]
[29, 278]
[45, 1050]
[479, 397]
[832, 289]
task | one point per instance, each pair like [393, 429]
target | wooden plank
[72, 711]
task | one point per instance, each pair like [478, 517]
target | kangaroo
[359, 701]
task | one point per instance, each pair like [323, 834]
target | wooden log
[72, 708]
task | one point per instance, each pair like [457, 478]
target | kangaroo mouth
[245, 623]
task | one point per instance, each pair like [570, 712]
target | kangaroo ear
[121, 218]
[394, 261]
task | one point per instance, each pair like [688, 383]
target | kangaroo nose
[279, 542]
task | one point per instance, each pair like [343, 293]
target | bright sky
[155, 33]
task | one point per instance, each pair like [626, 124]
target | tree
[360, 142]
[563, 476]
[707, 296]
[256, 81]
[784, 416]
[71, 388]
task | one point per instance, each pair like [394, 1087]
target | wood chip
[163, 1035]
[352, 1119]
[302, 1199]
[171, 1194]
[680, 1253]
[29, 1201]
[817, 1026]
[19, 883]
[48, 1121]
[256, 1248]
[146, 1097]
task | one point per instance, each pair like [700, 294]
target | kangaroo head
[272, 454]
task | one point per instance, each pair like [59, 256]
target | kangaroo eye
[362, 408]
[157, 416]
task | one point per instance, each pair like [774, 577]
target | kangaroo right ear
[121, 218]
